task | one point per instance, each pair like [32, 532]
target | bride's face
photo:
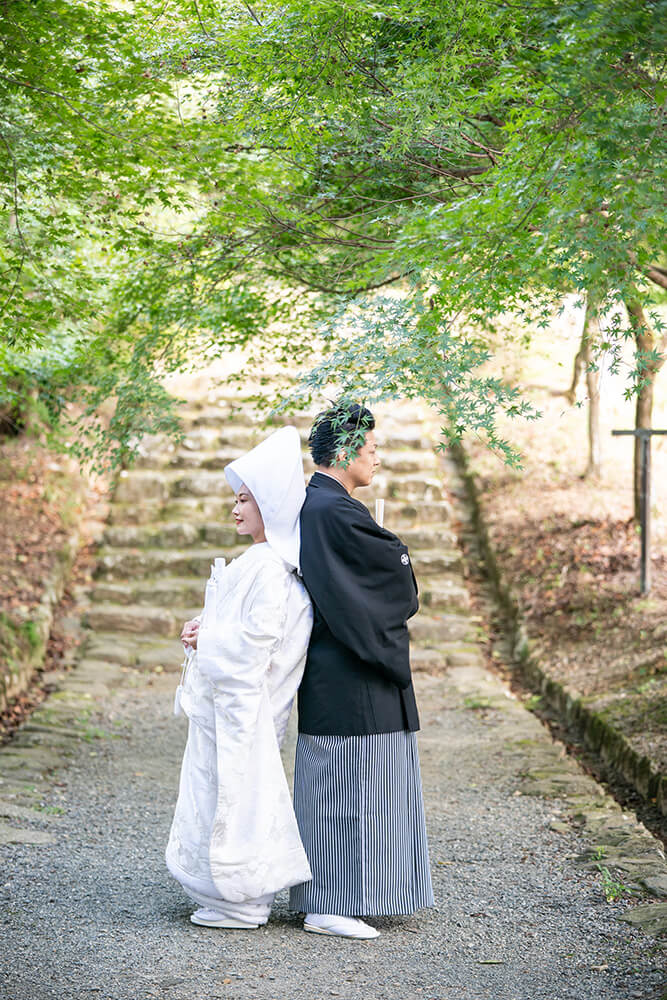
[247, 516]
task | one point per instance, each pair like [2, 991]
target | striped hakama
[358, 803]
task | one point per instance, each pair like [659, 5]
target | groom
[357, 788]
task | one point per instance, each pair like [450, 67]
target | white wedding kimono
[234, 840]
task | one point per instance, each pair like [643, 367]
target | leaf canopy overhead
[479, 159]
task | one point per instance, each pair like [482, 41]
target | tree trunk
[584, 361]
[646, 339]
[591, 337]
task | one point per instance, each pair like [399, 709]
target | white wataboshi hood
[273, 472]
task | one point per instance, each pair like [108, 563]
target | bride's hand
[190, 632]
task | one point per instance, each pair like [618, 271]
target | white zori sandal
[211, 918]
[328, 923]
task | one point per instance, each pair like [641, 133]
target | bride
[234, 841]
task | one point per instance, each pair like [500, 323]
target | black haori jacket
[357, 678]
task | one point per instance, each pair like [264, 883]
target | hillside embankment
[563, 551]
[50, 515]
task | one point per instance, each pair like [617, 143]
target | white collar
[328, 474]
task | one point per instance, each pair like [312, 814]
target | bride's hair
[343, 426]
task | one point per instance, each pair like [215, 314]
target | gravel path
[95, 914]
[88, 785]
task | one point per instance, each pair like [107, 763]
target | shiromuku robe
[234, 834]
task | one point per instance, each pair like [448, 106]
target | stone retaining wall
[16, 676]
[596, 733]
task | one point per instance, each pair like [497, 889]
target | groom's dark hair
[343, 426]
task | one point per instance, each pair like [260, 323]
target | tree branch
[329, 290]
[656, 274]
[17, 221]
[252, 13]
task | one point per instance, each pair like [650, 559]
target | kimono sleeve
[360, 578]
[235, 656]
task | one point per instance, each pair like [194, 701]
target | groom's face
[364, 465]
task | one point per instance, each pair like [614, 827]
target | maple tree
[396, 176]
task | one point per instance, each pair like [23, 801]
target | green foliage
[480, 161]
[252, 174]
[29, 630]
[16, 643]
[84, 125]
[49, 810]
[79, 109]
[613, 888]
[349, 426]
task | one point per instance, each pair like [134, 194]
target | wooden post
[644, 434]
[645, 515]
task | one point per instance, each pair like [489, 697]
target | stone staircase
[171, 516]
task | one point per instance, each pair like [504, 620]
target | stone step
[232, 435]
[399, 515]
[159, 606]
[186, 459]
[412, 437]
[172, 590]
[434, 539]
[181, 534]
[429, 630]
[242, 413]
[160, 449]
[142, 620]
[237, 399]
[208, 388]
[436, 658]
[395, 460]
[162, 591]
[124, 563]
[211, 438]
[136, 485]
[400, 460]
[196, 509]
[141, 651]
[408, 460]
[155, 576]
[407, 488]
[463, 654]
[430, 661]
[173, 534]
[443, 593]
[428, 564]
